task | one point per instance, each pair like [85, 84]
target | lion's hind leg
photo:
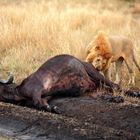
[130, 65]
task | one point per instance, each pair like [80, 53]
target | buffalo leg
[53, 109]
[41, 103]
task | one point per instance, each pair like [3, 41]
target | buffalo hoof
[118, 99]
[115, 99]
[55, 109]
[133, 93]
[47, 108]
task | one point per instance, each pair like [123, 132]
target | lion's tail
[136, 63]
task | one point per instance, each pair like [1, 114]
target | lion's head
[99, 52]
[100, 62]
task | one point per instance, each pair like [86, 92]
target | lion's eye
[97, 48]
[98, 60]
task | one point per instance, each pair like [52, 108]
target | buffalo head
[7, 89]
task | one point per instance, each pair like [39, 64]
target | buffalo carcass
[62, 75]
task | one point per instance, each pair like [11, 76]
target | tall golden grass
[33, 31]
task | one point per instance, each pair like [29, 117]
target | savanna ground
[33, 31]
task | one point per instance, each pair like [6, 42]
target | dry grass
[33, 31]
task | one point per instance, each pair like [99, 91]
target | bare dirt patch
[82, 118]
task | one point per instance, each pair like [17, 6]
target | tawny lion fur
[104, 50]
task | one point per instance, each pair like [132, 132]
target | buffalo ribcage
[72, 84]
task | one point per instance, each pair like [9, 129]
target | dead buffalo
[62, 75]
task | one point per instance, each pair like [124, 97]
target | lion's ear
[97, 48]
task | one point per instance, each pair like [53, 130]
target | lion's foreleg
[118, 68]
[107, 74]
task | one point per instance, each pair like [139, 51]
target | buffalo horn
[9, 80]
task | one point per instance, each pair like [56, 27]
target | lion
[104, 50]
